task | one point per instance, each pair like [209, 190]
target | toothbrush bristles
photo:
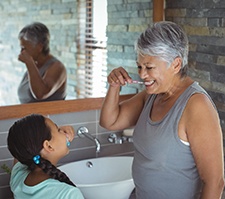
[135, 82]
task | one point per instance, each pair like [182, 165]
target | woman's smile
[149, 83]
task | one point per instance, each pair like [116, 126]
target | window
[92, 53]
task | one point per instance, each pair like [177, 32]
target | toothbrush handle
[137, 82]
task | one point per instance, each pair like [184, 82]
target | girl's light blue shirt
[49, 188]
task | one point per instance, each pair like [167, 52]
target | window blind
[91, 52]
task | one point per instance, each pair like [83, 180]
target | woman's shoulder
[56, 63]
[199, 96]
[53, 66]
[200, 100]
[200, 103]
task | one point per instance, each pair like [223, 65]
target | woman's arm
[43, 87]
[205, 138]
[115, 115]
[54, 78]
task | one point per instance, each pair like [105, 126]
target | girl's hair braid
[54, 172]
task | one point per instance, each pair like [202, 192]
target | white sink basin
[102, 178]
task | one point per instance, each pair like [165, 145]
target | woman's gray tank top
[164, 167]
[24, 93]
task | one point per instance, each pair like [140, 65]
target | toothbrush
[139, 82]
[134, 82]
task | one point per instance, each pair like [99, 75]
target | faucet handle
[114, 139]
[127, 138]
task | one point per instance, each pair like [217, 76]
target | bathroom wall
[204, 23]
[81, 148]
[126, 20]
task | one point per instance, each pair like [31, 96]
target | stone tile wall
[126, 20]
[204, 22]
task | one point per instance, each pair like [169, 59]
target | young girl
[37, 144]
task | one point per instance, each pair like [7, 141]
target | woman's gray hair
[36, 33]
[165, 40]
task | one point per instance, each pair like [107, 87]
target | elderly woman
[177, 135]
[45, 78]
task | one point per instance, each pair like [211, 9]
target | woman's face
[58, 141]
[156, 72]
[30, 48]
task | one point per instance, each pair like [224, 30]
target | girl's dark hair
[25, 140]
[36, 33]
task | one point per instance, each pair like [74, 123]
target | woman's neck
[42, 59]
[178, 87]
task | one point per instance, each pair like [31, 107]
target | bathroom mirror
[65, 20]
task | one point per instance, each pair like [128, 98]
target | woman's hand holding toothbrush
[118, 77]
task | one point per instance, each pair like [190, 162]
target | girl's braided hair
[25, 140]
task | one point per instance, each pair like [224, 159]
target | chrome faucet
[83, 132]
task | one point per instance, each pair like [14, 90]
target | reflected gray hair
[165, 40]
[36, 33]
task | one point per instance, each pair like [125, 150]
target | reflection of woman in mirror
[45, 79]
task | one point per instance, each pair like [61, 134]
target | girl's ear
[47, 146]
[176, 64]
